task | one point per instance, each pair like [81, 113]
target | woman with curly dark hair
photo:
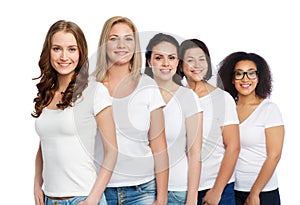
[68, 111]
[247, 77]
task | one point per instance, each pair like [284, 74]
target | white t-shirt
[219, 110]
[253, 146]
[135, 164]
[68, 140]
[181, 106]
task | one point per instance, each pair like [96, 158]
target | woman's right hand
[38, 195]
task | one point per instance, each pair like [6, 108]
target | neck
[197, 86]
[249, 99]
[169, 85]
[63, 82]
[118, 72]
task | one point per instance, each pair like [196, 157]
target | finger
[41, 200]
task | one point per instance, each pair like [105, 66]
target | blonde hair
[102, 63]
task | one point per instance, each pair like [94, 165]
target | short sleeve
[192, 105]
[273, 116]
[102, 99]
[155, 99]
[231, 116]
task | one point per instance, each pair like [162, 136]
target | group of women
[122, 136]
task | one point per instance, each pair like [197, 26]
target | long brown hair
[48, 78]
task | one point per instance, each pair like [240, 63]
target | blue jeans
[227, 197]
[72, 201]
[177, 197]
[144, 194]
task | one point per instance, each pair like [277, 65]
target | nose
[198, 64]
[165, 61]
[63, 55]
[121, 43]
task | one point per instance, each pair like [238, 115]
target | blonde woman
[141, 173]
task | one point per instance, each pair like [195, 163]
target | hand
[211, 198]
[159, 203]
[38, 196]
[252, 200]
[85, 202]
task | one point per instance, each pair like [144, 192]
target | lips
[165, 71]
[121, 53]
[64, 64]
[245, 85]
[196, 71]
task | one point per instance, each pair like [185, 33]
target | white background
[269, 28]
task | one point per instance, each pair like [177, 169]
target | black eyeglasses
[251, 74]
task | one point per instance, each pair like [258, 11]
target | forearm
[274, 144]
[99, 186]
[162, 186]
[194, 170]
[264, 175]
[226, 170]
[38, 179]
[104, 175]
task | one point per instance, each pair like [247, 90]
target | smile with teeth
[64, 64]
[196, 71]
[245, 85]
[166, 71]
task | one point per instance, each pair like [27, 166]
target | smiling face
[195, 64]
[120, 45]
[242, 83]
[164, 61]
[64, 53]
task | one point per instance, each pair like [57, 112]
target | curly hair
[48, 83]
[226, 71]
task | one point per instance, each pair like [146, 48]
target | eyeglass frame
[245, 73]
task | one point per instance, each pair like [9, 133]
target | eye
[239, 73]
[157, 58]
[56, 49]
[73, 49]
[172, 57]
[113, 39]
[129, 38]
[251, 72]
[189, 60]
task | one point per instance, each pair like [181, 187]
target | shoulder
[187, 92]
[269, 104]
[224, 96]
[145, 79]
[93, 83]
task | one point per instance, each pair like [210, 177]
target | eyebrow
[61, 45]
[161, 53]
[202, 56]
[248, 69]
[127, 35]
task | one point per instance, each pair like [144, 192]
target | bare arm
[108, 133]
[274, 144]
[231, 139]
[158, 146]
[194, 126]
[38, 179]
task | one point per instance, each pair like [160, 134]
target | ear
[149, 62]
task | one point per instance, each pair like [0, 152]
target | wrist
[162, 200]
